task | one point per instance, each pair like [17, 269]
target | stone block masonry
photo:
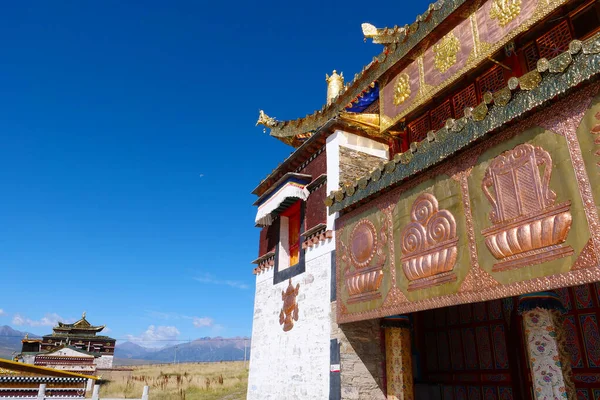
[293, 364]
[362, 361]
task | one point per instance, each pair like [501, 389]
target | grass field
[202, 381]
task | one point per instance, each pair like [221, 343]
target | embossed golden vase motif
[529, 228]
[429, 244]
[363, 284]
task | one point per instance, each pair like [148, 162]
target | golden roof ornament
[445, 52]
[505, 11]
[381, 36]
[265, 120]
[401, 89]
[335, 85]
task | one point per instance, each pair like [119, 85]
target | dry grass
[202, 381]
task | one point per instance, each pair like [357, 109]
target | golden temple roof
[399, 41]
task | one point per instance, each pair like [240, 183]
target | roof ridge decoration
[398, 43]
[551, 78]
[407, 38]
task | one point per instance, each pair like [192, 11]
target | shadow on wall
[363, 360]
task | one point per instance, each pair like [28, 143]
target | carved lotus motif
[528, 227]
[428, 244]
[363, 283]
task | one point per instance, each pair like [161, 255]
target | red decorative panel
[474, 393]
[489, 393]
[465, 313]
[468, 335]
[591, 337]
[440, 115]
[505, 393]
[269, 237]
[440, 317]
[315, 211]
[456, 351]
[431, 343]
[418, 128]
[491, 81]
[555, 41]
[484, 347]
[463, 99]
[573, 345]
[499, 340]
[583, 394]
[443, 351]
[495, 309]
[479, 311]
[452, 315]
[583, 297]
[531, 56]
[565, 297]
[461, 393]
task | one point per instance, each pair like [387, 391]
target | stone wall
[356, 164]
[293, 364]
[104, 362]
[362, 362]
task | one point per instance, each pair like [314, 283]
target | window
[290, 236]
[289, 256]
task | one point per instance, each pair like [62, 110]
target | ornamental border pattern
[396, 301]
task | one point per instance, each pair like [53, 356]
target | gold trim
[484, 50]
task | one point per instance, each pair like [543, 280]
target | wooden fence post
[42, 392]
[145, 393]
[96, 394]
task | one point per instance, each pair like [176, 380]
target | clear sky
[128, 151]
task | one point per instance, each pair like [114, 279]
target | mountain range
[10, 341]
[200, 350]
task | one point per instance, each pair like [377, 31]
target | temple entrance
[468, 352]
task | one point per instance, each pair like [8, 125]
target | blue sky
[128, 152]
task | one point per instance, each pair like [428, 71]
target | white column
[96, 394]
[42, 392]
[146, 392]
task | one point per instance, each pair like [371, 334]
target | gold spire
[83, 315]
[335, 85]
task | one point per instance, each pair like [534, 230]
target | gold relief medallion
[402, 89]
[445, 52]
[429, 244]
[528, 227]
[505, 11]
[368, 258]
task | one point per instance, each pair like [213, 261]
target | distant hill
[200, 350]
[10, 341]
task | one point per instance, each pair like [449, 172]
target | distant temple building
[435, 235]
[73, 347]
[23, 381]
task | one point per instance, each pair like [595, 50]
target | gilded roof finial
[335, 85]
[381, 36]
[27, 336]
[265, 120]
[83, 315]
